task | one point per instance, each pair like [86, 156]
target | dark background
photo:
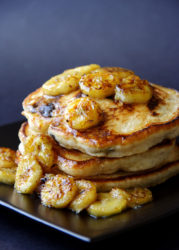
[39, 39]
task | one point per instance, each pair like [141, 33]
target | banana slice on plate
[7, 165]
[139, 196]
[7, 158]
[135, 197]
[83, 113]
[108, 204]
[7, 175]
[58, 191]
[86, 195]
[28, 175]
[133, 90]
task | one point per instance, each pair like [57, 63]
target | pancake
[154, 157]
[141, 180]
[127, 129]
[78, 164]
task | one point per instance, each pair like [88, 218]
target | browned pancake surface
[126, 128]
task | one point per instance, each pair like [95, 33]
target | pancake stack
[105, 125]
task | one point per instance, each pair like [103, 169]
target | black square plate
[166, 201]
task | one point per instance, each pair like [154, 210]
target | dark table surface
[41, 38]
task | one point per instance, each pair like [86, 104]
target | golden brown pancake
[149, 179]
[127, 129]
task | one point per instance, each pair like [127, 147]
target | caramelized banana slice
[86, 195]
[139, 196]
[117, 192]
[40, 146]
[61, 84]
[7, 165]
[58, 191]
[107, 204]
[41, 184]
[28, 175]
[7, 158]
[7, 175]
[99, 84]
[133, 90]
[66, 82]
[135, 197]
[83, 113]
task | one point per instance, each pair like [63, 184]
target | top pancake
[127, 129]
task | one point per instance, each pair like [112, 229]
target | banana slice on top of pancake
[83, 113]
[101, 82]
[133, 90]
[66, 82]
